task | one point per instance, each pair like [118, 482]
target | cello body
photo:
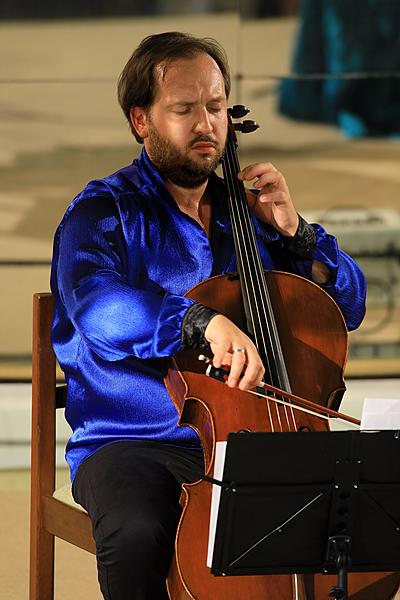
[315, 338]
[214, 410]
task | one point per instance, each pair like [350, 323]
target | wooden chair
[50, 516]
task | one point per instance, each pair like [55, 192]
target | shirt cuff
[194, 324]
[303, 242]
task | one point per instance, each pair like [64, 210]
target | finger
[219, 354]
[227, 361]
[270, 179]
[255, 170]
[277, 198]
[253, 374]
[238, 364]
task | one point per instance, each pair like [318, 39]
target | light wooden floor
[76, 574]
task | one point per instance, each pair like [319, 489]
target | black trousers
[131, 492]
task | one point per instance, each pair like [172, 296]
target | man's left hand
[273, 204]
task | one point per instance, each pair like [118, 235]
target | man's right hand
[233, 348]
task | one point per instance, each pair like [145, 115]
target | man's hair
[137, 85]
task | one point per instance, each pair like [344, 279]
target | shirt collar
[153, 183]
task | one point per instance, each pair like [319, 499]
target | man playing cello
[128, 248]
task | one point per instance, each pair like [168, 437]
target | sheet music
[380, 413]
[219, 463]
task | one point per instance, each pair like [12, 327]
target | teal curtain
[337, 38]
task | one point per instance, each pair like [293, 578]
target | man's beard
[177, 167]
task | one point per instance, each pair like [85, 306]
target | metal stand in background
[306, 503]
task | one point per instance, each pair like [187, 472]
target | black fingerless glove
[194, 324]
[302, 244]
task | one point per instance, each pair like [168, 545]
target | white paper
[380, 413]
[219, 463]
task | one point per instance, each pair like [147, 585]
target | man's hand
[233, 348]
[273, 204]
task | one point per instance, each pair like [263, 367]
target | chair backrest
[46, 397]
[50, 517]
[43, 396]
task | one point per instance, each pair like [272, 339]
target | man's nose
[203, 122]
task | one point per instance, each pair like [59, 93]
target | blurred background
[323, 80]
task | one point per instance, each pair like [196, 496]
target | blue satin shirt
[124, 255]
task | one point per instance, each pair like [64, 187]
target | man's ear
[139, 121]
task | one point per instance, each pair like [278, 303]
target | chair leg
[41, 576]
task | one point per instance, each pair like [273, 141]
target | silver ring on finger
[238, 350]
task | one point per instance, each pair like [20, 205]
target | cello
[297, 329]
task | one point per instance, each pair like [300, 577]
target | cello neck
[261, 324]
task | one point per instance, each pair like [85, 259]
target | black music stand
[325, 502]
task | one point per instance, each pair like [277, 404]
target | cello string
[302, 408]
[239, 235]
[288, 402]
[278, 414]
[244, 260]
[242, 221]
[259, 284]
[296, 586]
[269, 412]
[295, 402]
[247, 231]
[262, 283]
[235, 221]
[240, 193]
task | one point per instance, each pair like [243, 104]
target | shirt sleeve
[115, 318]
[347, 285]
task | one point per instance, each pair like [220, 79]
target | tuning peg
[238, 111]
[246, 126]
